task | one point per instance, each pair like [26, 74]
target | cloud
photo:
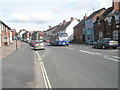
[105, 3]
[21, 1]
[34, 17]
[58, 9]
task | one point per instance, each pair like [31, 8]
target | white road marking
[112, 51]
[87, 52]
[92, 53]
[116, 57]
[70, 48]
[107, 57]
[44, 73]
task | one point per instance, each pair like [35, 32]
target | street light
[16, 43]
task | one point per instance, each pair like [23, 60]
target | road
[80, 66]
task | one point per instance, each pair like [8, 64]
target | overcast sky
[40, 14]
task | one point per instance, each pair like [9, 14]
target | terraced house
[89, 25]
[5, 34]
[108, 24]
[65, 27]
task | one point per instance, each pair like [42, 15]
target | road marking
[107, 57]
[87, 52]
[70, 48]
[44, 73]
[112, 51]
[116, 57]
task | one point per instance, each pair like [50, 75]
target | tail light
[33, 45]
[108, 42]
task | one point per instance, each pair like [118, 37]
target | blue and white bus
[59, 39]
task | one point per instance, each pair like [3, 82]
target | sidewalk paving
[18, 68]
[7, 50]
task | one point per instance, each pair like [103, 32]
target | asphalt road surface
[80, 66]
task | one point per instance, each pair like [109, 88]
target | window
[107, 35]
[115, 35]
[88, 36]
[109, 19]
[117, 17]
[98, 23]
[100, 34]
[0, 28]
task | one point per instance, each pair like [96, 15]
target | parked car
[32, 42]
[39, 45]
[105, 43]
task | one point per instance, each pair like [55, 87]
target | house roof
[62, 27]
[51, 29]
[104, 15]
[110, 9]
[94, 13]
[80, 23]
[5, 24]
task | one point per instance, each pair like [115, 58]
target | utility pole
[16, 43]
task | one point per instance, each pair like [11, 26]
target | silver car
[39, 45]
[105, 43]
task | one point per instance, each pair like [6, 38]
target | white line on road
[87, 52]
[44, 73]
[116, 57]
[107, 57]
[70, 48]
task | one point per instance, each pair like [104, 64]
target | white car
[39, 45]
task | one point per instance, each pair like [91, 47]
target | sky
[40, 14]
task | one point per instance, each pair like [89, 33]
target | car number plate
[114, 42]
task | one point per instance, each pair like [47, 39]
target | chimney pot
[71, 19]
[64, 22]
[50, 27]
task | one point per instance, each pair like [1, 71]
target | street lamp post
[16, 43]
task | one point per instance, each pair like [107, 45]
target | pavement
[18, 68]
[7, 50]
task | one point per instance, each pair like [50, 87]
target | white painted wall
[10, 36]
[21, 33]
[70, 30]
[0, 35]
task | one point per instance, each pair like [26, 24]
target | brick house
[5, 34]
[108, 24]
[26, 35]
[100, 25]
[89, 25]
[14, 34]
[37, 35]
[79, 31]
[48, 32]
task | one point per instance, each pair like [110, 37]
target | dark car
[105, 43]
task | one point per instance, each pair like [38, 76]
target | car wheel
[67, 44]
[93, 45]
[114, 47]
[103, 47]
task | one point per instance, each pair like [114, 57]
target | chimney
[85, 16]
[71, 19]
[64, 22]
[115, 4]
[50, 27]
[60, 24]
